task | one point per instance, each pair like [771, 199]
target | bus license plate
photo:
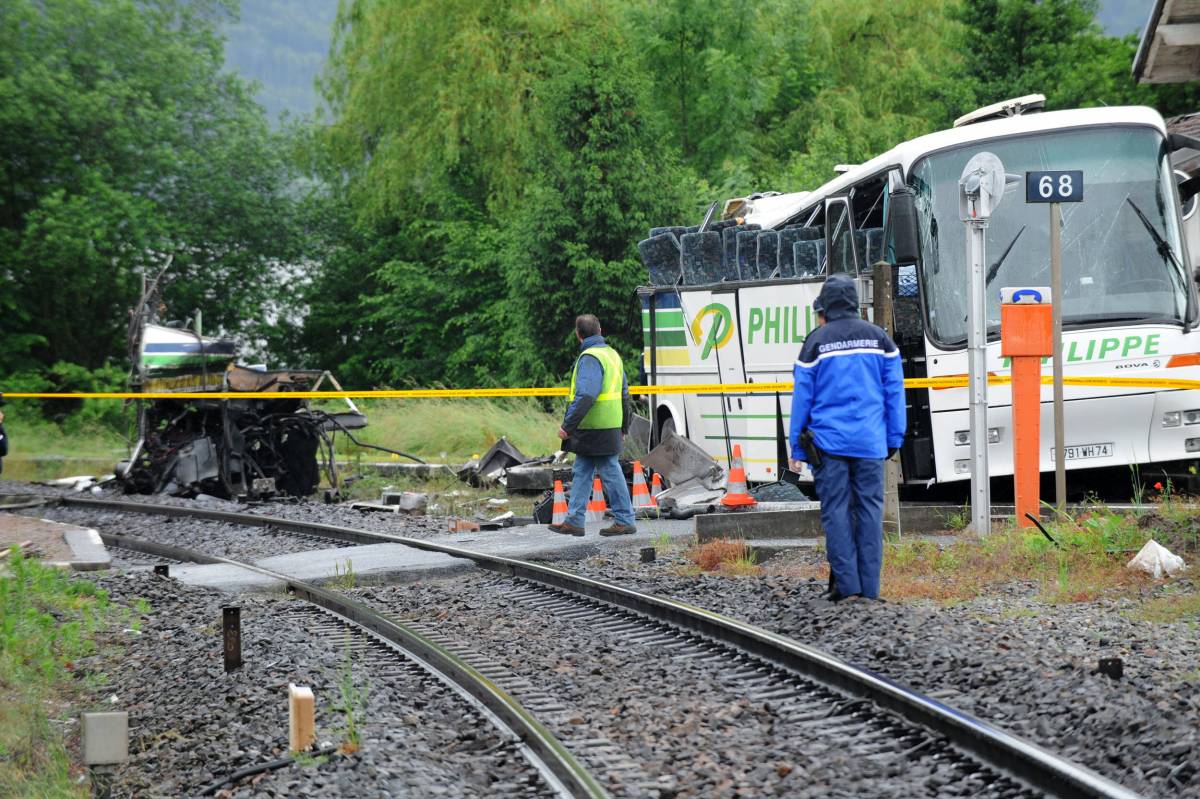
[1082, 451]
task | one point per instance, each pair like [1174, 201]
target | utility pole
[1060, 459]
[1054, 187]
[882, 302]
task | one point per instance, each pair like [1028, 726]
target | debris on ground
[780, 491]
[231, 448]
[1156, 560]
[680, 460]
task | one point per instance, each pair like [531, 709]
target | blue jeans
[609, 471]
[851, 494]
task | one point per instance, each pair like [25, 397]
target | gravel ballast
[1027, 666]
[191, 723]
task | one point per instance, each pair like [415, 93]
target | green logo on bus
[719, 332]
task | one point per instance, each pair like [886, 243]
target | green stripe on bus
[667, 338]
[664, 318]
[740, 415]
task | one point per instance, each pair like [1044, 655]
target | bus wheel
[666, 429]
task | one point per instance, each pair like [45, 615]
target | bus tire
[667, 428]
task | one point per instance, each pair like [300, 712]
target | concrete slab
[88, 552]
[761, 524]
[536, 542]
[380, 563]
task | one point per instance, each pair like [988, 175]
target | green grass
[435, 430]
[42, 450]
[343, 577]
[454, 430]
[1086, 560]
[47, 621]
[1170, 607]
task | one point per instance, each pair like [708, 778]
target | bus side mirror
[902, 222]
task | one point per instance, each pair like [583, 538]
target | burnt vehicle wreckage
[233, 448]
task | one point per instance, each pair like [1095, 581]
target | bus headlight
[1191, 445]
[1172, 419]
[962, 467]
[1191, 417]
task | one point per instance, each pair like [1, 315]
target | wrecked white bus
[732, 303]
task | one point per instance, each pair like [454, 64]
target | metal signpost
[1054, 187]
[981, 187]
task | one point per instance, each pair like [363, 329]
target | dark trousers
[851, 494]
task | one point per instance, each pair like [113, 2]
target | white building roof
[1169, 51]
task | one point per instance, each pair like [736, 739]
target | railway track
[381, 643]
[886, 726]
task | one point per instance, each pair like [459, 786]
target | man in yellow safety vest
[597, 418]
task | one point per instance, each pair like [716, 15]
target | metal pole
[1056, 296]
[981, 494]
[882, 302]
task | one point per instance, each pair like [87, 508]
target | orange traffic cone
[736, 495]
[559, 508]
[596, 507]
[655, 488]
[641, 494]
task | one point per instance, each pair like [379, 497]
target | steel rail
[566, 775]
[1012, 755]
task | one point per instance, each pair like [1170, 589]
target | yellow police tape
[952, 381]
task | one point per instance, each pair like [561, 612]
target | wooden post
[882, 302]
[302, 727]
[231, 626]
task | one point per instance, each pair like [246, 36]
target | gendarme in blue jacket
[849, 383]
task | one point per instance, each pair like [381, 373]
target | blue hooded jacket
[849, 382]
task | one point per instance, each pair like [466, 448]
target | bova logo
[719, 332]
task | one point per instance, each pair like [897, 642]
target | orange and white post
[1026, 336]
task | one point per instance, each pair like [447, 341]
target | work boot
[618, 529]
[566, 529]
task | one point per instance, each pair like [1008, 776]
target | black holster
[812, 452]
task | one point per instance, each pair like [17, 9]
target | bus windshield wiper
[995, 268]
[1164, 249]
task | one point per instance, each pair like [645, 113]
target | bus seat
[807, 256]
[729, 243]
[747, 254]
[658, 231]
[906, 281]
[768, 253]
[660, 254]
[811, 233]
[701, 258]
[874, 248]
[860, 249]
[787, 256]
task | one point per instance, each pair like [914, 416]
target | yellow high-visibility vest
[605, 412]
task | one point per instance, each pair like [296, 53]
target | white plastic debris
[1156, 560]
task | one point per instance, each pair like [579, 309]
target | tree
[124, 142]
[602, 179]
[1012, 48]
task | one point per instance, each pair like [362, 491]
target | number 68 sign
[1054, 187]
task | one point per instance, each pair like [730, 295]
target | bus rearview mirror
[902, 220]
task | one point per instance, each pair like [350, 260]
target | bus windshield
[1122, 256]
